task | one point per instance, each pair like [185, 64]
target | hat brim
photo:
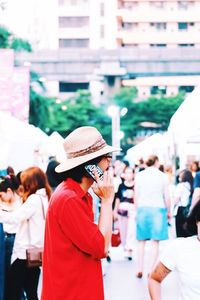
[71, 163]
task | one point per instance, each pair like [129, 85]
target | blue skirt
[151, 224]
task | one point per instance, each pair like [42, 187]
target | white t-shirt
[31, 222]
[150, 186]
[183, 255]
[182, 192]
[12, 227]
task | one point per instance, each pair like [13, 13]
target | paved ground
[121, 283]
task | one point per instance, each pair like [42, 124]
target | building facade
[101, 24]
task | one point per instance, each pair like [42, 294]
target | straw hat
[83, 144]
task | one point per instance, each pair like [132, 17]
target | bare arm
[167, 201]
[117, 202]
[155, 279]
[104, 189]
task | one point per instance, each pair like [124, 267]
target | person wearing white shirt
[182, 256]
[182, 195]
[30, 218]
[9, 201]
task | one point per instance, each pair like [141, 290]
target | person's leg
[123, 223]
[9, 242]
[15, 280]
[130, 237]
[31, 283]
[154, 254]
[180, 220]
[140, 258]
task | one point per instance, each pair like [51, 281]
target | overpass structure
[112, 66]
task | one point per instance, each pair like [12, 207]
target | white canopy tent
[20, 143]
[184, 126]
[54, 146]
[156, 144]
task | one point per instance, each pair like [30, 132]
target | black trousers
[180, 221]
[22, 278]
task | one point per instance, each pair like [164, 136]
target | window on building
[130, 5]
[184, 5]
[158, 90]
[186, 45]
[102, 9]
[102, 31]
[158, 45]
[129, 45]
[67, 87]
[73, 22]
[158, 4]
[129, 25]
[159, 25]
[186, 89]
[73, 43]
[182, 26]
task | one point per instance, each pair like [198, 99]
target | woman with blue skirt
[152, 210]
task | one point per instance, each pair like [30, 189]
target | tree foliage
[9, 40]
[64, 116]
[155, 111]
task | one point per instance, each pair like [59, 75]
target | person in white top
[9, 201]
[182, 256]
[182, 196]
[152, 210]
[30, 218]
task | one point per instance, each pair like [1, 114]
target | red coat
[73, 247]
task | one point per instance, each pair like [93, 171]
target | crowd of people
[72, 215]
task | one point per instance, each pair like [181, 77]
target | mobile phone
[90, 170]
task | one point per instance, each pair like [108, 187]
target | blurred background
[124, 66]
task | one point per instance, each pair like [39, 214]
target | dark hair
[79, 172]
[151, 160]
[10, 170]
[187, 177]
[196, 163]
[190, 226]
[53, 177]
[8, 182]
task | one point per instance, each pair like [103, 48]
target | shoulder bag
[34, 254]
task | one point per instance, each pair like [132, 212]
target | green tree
[77, 111]
[4, 37]
[20, 45]
[155, 111]
[39, 110]
[9, 40]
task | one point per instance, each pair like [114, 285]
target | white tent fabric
[186, 119]
[54, 146]
[184, 125]
[20, 143]
[156, 144]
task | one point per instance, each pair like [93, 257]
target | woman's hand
[104, 189]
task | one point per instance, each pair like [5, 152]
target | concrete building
[153, 24]
[103, 24]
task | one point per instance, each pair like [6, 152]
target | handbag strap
[43, 214]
